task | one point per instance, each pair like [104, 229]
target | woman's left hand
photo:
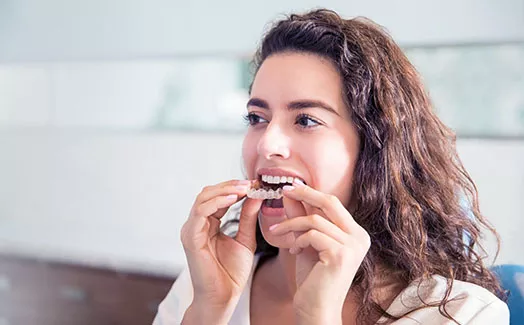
[330, 246]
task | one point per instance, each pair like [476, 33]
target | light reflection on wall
[477, 90]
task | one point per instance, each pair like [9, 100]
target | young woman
[353, 212]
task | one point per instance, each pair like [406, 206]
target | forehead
[290, 76]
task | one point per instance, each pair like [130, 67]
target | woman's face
[300, 127]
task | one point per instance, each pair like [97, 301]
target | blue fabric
[508, 274]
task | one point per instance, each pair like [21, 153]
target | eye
[306, 121]
[254, 119]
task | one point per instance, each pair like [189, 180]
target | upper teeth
[279, 179]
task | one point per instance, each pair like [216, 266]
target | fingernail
[242, 187]
[244, 182]
[288, 188]
[231, 197]
[298, 181]
[273, 227]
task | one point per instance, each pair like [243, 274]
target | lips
[278, 175]
[270, 182]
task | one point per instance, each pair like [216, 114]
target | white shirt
[475, 306]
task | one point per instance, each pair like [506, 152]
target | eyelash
[308, 117]
[250, 119]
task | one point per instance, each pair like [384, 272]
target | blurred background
[114, 114]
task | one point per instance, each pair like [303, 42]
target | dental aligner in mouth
[269, 187]
[264, 194]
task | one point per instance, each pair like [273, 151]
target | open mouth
[269, 188]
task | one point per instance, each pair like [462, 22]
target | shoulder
[172, 309]
[468, 303]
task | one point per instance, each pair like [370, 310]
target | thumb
[294, 209]
[246, 234]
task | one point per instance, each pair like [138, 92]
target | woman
[357, 217]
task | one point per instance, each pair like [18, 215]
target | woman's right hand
[219, 265]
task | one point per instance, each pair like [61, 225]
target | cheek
[282, 241]
[333, 168]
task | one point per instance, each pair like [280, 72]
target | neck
[278, 280]
[279, 276]
[285, 265]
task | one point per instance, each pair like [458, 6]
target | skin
[279, 140]
[322, 149]
[321, 245]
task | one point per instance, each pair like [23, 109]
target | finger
[202, 213]
[317, 240]
[210, 193]
[330, 205]
[207, 203]
[293, 209]
[246, 234]
[239, 187]
[306, 223]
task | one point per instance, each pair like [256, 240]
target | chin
[281, 241]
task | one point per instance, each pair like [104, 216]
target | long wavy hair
[409, 184]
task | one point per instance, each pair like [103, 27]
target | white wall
[497, 168]
[101, 29]
[106, 198]
[120, 198]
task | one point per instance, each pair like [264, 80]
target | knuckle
[366, 240]
[336, 255]
[362, 235]
[216, 202]
[332, 200]
[344, 255]
[184, 234]
[307, 190]
[197, 211]
[312, 234]
[361, 242]
[314, 219]
[199, 198]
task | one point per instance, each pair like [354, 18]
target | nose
[274, 143]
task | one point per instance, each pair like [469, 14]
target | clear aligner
[263, 194]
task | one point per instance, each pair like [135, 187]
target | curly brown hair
[409, 183]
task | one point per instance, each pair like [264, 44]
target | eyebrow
[294, 105]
